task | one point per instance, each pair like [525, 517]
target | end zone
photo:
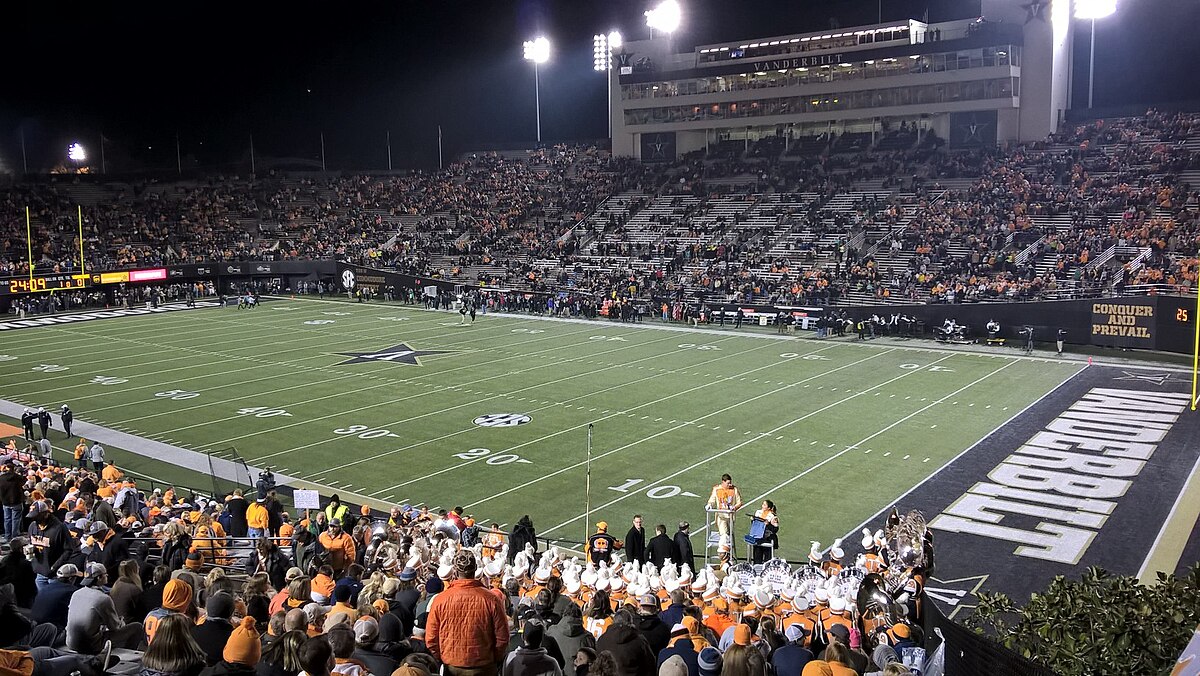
[1088, 476]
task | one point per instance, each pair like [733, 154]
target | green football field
[340, 396]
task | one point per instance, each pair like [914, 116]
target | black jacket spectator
[660, 549]
[635, 544]
[111, 553]
[522, 534]
[16, 570]
[175, 551]
[12, 489]
[630, 649]
[52, 602]
[212, 636]
[657, 633]
[377, 661]
[237, 516]
[683, 545]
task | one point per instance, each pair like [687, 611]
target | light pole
[664, 18]
[537, 51]
[1092, 10]
[603, 46]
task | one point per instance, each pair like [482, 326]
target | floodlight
[537, 50]
[1094, 9]
[76, 153]
[614, 40]
[665, 17]
[601, 60]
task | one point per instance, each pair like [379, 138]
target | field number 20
[497, 459]
[658, 492]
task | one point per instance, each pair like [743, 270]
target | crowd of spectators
[101, 574]
[510, 220]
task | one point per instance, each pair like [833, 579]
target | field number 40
[658, 492]
[263, 412]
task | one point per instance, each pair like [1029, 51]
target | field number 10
[658, 492]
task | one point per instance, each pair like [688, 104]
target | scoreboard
[43, 283]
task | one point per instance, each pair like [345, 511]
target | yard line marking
[233, 358]
[886, 429]
[672, 429]
[966, 450]
[385, 383]
[746, 443]
[649, 403]
[466, 404]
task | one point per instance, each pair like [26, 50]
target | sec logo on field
[502, 420]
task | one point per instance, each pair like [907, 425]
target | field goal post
[222, 483]
[1196, 353]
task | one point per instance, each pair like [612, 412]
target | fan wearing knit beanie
[177, 598]
[709, 661]
[242, 652]
[213, 634]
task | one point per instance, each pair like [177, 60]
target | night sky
[217, 72]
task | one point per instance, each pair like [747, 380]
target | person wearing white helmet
[27, 417]
[44, 420]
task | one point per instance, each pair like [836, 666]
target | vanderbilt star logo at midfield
[1159, 379]
[401, 354]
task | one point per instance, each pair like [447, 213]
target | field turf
[323, 391]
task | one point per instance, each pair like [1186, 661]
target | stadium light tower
[665, 17]
[537, 51]
[76, 152]
[1092, 10]
[603, 46]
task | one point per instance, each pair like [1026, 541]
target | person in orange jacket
[339, 546]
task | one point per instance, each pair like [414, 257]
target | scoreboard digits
[43, 283]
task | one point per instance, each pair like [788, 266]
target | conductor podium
[719, 539]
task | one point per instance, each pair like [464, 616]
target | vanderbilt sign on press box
[1124, 323]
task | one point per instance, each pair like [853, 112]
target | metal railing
[1133, 266]
[1029, 251]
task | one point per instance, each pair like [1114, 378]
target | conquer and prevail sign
[1124, 324]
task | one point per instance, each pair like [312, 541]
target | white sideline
[148, 448]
